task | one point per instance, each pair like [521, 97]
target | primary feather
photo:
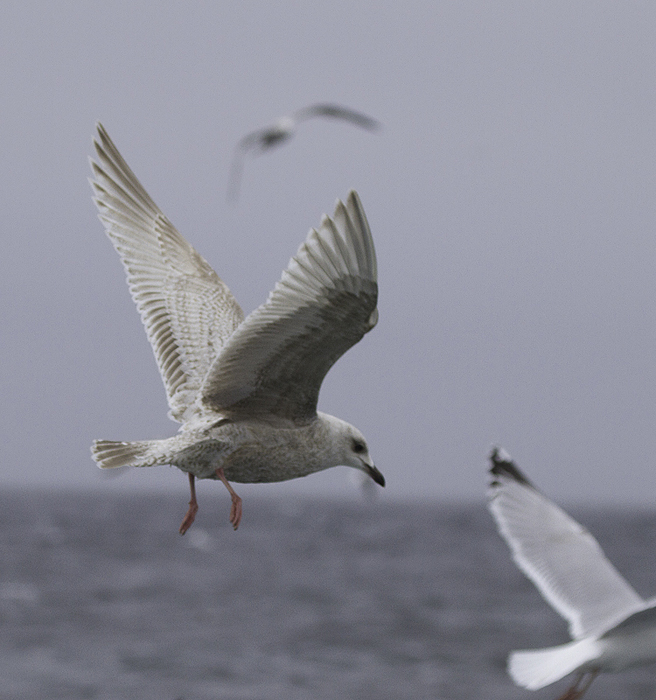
[325, 302]
[187, 311]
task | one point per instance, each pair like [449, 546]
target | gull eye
[358, 446]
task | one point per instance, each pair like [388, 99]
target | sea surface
[100, 597]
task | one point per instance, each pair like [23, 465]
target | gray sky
[511, 198]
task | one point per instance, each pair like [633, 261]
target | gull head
[349, 448]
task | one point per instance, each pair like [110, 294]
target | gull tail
[108, 454]
[535, 669]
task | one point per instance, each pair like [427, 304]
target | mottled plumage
[244, 390]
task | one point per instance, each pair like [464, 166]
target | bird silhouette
[262, 140]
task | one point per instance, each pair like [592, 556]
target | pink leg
[193, 507]
[576, 692]
[235, 510]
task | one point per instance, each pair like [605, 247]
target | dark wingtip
[502, 465]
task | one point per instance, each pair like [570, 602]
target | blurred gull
[613, 628]
[265, 139]
[244, 390]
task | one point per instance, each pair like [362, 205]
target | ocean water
[101, 598]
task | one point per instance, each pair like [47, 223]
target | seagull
[244, 390]
[265, 139]
[612, 627]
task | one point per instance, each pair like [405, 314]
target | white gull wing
[558, 555]
[187, 311]
[274, 363]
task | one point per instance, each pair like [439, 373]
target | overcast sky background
[511, 195]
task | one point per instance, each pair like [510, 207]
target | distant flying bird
[265, 139]
[613, 628]
[244, 390]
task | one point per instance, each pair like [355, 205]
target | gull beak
[375, 474]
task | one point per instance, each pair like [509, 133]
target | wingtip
[353, 199]
[99, 140]
[371, 124]
[355, 212]
[355, 209]
[502, 465]
[101, 132]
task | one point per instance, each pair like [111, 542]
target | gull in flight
[265, 139]
[612, 627]
[244, 390]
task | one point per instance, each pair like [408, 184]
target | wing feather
[337, 112]
[274, 363]
[187, 311]
[562, 559]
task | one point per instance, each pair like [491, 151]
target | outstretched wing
[338, 112]
[561, 557]
[282, 130]
[188, 312]
[274, 363]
